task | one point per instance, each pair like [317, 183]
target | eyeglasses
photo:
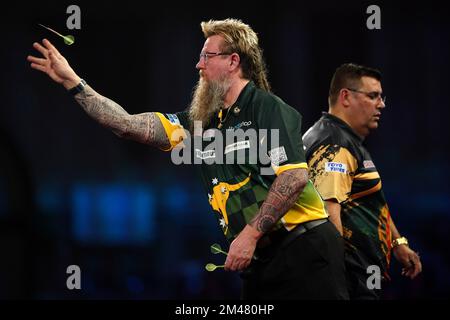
[374, 95]
[207, 55]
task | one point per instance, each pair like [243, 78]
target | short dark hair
[349, 75]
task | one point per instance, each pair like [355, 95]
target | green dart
[215, 248]
[211, 267]
[67, 39]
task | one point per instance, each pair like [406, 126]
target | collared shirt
[341, 168]
[258, 139]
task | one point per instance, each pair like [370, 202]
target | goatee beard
[208, 98]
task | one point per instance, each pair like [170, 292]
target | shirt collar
[243, 99]
[342, 124]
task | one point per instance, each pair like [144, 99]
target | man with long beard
[281, 239]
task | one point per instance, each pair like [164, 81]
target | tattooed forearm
[145, 127]
[282, 195]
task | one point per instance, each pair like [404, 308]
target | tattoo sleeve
[144, 127]
[282, 195]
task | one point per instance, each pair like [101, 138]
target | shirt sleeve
[332, 169]
[284, 138]
[175, 126]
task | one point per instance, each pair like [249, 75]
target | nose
[200, 64]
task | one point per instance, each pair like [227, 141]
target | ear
[344, 97]
[235, 61]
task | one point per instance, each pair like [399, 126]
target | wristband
[77, 89]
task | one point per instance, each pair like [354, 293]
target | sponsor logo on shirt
[205, 154]
[368, 164]
[173, 118]
[278, 155]
[237, 146]
[335, 167]
[242, 124]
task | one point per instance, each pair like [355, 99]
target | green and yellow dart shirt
[341, 168]
[239, 158]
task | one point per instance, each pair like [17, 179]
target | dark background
[139, 227]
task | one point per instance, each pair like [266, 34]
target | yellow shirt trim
[281, 169]
[308, 207]
[175, 132]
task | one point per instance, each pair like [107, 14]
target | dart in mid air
[69, 39]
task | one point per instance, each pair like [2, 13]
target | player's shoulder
[269, 103]
[326, 131]
[329, 131]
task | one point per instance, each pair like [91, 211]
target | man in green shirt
[247, 144]
[346, 177]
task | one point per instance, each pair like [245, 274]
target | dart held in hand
[215, 249]
[211, 267]
[69, 39]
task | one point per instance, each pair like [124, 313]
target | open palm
[53, 63]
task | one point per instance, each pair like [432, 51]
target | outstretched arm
[145, 127]
[281, 197]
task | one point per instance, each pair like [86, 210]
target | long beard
[208, 99]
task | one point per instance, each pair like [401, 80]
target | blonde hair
[240, 38]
